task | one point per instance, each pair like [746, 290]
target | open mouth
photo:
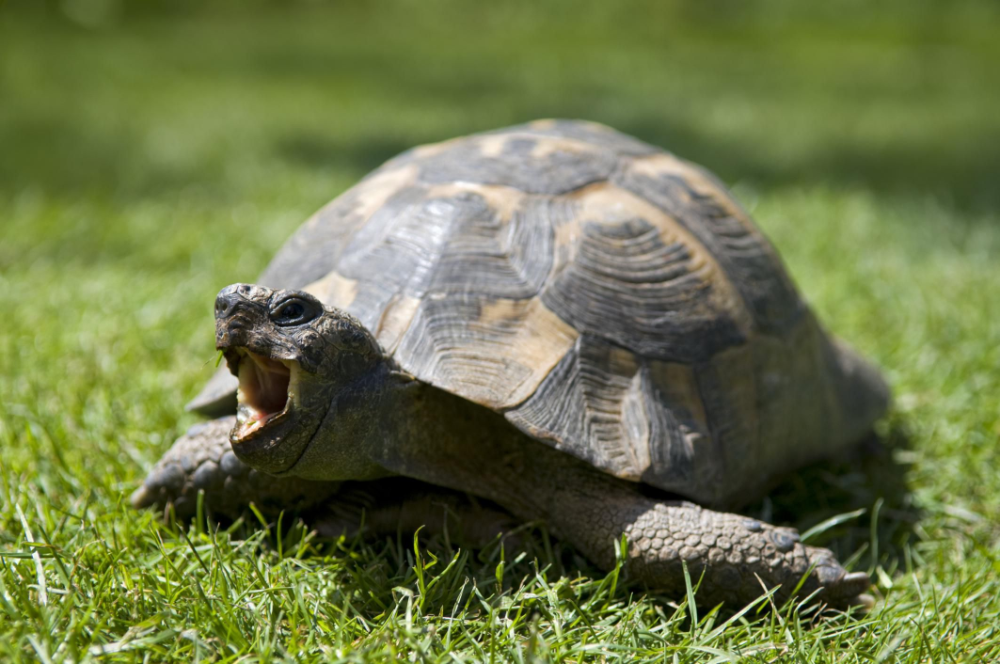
[268, 391]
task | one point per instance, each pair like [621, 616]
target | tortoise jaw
[267, 395]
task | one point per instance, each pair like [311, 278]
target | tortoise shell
[609, 298]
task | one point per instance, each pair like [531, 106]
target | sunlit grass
[148, 161]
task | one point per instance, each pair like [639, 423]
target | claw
[850, 585]
[865, 601]
[142, 498]
[843, 589]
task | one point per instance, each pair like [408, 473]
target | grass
[150, 154]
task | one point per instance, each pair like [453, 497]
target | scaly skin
[203, 460]
[735, 557]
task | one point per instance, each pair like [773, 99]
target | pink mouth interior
[264, 385]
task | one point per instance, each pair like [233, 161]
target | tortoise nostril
[226, 303]
[237, 298]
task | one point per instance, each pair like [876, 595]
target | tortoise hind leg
[735, 557]
[202, 460]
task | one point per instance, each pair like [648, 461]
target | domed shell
[610, 299]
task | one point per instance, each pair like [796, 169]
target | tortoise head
[307, 373]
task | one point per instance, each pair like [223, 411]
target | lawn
[151, 153]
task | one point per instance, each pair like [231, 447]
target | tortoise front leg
[735, 557]
[202, 460]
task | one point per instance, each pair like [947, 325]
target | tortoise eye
[294, 311]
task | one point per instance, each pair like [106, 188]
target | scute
[592, 133]
[610, 299]
[699, 203]
[507, 241]
[532, 164]
[397, 251]
[628, 286]
[602, 404]
[315, 249]
[492, 352]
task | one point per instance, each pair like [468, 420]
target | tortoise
[563, 322]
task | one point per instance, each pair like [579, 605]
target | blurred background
[176, 98]
[152, 152]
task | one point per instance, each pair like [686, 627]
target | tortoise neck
[346, 443]
[445, 440]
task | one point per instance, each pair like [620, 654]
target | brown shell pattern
[609, 298]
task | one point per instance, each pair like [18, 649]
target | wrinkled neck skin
[390, 424]
[352, 430]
